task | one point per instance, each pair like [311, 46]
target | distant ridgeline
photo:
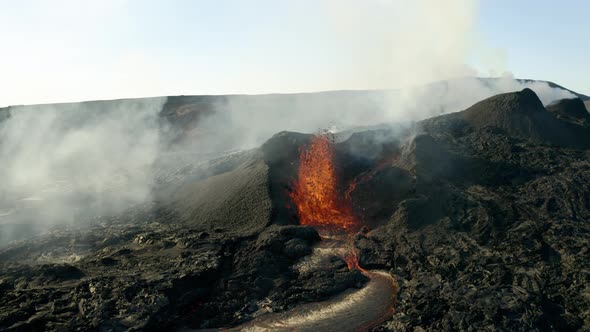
[189, 118]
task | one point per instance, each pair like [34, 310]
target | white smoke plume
[61, 163]
[247, 121]
[397, 48]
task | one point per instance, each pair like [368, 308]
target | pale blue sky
[66, 50]
[542, 39]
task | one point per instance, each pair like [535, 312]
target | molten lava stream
[351, 310]
[319, 204]
[316, 196]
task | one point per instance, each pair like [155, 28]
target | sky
[68, 50]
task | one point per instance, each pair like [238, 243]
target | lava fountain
[316, 196]
[319, 204]
[315, 192]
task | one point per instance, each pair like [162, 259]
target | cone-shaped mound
[570, 109]
[518, 114]
[523, 102]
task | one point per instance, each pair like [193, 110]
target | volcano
[472, 220]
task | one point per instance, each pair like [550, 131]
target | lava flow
[315, 192]
[316, 196]
[318, 203]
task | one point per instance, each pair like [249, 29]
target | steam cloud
[60, 163]
[387, 45]
[247, 121]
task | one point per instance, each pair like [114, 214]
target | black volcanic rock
[496, 233]
[570, 109]
[519, 114]
[523, 102]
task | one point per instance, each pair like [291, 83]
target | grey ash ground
[482, 217]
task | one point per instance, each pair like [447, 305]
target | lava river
[352, 310]
[318, 203]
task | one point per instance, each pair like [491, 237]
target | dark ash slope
[497, 235]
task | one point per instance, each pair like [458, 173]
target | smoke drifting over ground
[455, 95]
[247, 121]
[63, 162]
[386, 45]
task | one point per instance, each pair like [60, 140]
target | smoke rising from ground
[61, 163]
[247, 121]
[386, 45]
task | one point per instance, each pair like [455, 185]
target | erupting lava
[315, 191]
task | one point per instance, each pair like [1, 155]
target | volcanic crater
[473, 220]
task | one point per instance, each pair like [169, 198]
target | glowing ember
[315, 191]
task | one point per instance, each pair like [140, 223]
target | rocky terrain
[481, 216]
[505, 247]
[140, 271]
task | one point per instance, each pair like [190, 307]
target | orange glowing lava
[351, 259]
[315, 192]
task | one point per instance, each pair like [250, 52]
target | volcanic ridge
[481, 217]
